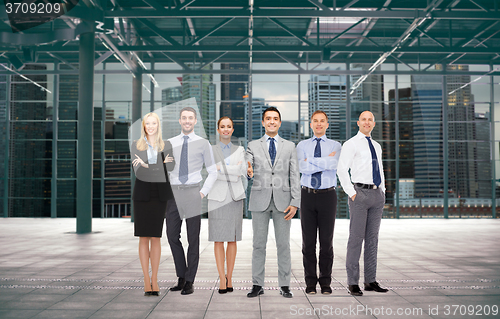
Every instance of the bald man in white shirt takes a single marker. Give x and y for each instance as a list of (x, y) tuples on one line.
[(366, 190)]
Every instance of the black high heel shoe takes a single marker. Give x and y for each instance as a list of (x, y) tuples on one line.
[(223, 291), (229, 289), (148, 293), (155, 292)]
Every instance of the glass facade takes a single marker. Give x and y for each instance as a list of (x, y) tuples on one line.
[(439, 133)]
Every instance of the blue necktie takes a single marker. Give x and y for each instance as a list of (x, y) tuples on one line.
[(272, 150), (316, 177), (375, 168), (183, 168)]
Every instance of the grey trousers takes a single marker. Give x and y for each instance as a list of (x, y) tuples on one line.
[(365, 214), (260, 224)]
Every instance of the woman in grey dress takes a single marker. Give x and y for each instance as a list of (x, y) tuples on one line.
[(225, 202)]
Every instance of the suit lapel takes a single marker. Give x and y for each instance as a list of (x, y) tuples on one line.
[(279, 149), (234, 148), (263, 142)]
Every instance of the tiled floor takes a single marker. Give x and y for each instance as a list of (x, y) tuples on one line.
[(434, 268)]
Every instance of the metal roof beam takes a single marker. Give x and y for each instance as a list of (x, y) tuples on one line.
[(424, 33), (481, 29), (55, 56), (343, 32), (154, 4), (284, 27), (319, 5), (103, 57), (479, 6), (276, 48), (347, 6), (289, 61), (304, 13), (217, 27), (162, 34)]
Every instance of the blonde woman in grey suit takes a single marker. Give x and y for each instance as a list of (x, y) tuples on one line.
[(225, 202)]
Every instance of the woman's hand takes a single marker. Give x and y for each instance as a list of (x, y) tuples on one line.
[(168, 159), (138, 161)]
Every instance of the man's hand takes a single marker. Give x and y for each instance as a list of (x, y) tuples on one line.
[(291, 212), (353, 197), (168, 159), (332, 154), (201, 194), (249, 170)]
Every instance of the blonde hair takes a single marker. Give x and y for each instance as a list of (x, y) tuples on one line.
[(141, 143)]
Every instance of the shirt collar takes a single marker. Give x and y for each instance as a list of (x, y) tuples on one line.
[(361, 135), (276, 138), (224, 146), (323, 138), (190, 135)]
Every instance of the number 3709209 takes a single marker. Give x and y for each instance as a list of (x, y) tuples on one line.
[(470, 310), (40, 8)]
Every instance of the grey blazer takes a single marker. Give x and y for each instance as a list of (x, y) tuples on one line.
[(234, 173), (281, 180)]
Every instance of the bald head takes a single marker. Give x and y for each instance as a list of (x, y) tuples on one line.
[(366, 122)]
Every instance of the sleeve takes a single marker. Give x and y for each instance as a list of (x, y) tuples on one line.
[(209, 160), (169, 152), (249, 156), (139, 170), (294, 179), (313, 165), (345, 163), (238, 169)]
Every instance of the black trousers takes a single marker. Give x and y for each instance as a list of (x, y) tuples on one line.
[(184, 267), (317, 213)]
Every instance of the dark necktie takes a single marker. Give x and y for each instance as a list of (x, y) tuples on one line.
[(375, 168), (272, 150), (183, 168), (316, 177)]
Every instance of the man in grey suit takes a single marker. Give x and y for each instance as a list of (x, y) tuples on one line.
[(272, 162)]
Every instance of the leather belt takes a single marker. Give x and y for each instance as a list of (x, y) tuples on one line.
[(317, 191), (367, 186)]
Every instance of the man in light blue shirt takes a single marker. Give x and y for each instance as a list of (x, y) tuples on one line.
[(318, 158), (191, 152)]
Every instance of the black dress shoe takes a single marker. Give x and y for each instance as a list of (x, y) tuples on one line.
[(148, 293), (256, 290), (355, 291), (180, 285), (285, 292), (311, 290), (374, 286), (188, 288), (326, 290)]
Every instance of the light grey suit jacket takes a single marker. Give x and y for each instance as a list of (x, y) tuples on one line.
[(281, 180), (234, 173)]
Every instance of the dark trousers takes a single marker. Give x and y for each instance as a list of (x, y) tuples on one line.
[(184, 268), (317, 212)]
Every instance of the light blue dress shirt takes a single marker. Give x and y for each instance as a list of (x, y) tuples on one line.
[(226, 151), (308, 164), (152, 153)]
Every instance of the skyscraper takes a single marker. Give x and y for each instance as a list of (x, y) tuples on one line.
[(232, 91), (427, 134), (201, 87)]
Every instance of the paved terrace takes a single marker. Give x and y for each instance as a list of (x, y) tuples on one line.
[(442, 267)]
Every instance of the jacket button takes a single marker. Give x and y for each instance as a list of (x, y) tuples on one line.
[(272, 173)]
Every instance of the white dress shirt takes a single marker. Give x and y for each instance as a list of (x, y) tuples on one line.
[(199, 153), (357, 157)]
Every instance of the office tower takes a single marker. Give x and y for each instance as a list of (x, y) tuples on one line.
[(3, 136), (258, 107), (201, 87), (232, 91), (328, 93), (171, 95), (482, 163), (461, 134), (427, 135), (29, 192), (289, 131)]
